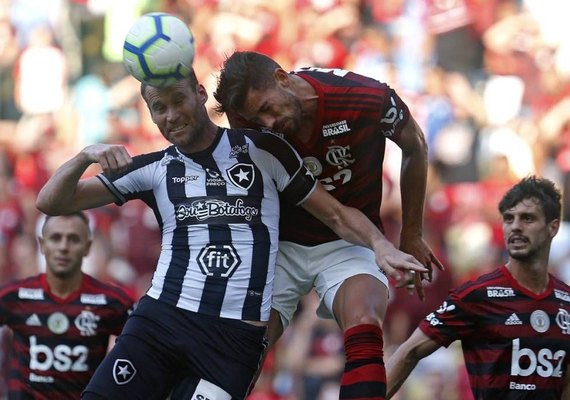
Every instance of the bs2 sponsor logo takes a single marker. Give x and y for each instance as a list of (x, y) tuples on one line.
[(545, 362), (62, 357)]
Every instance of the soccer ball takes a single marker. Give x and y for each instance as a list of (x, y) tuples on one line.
[(159, 49)]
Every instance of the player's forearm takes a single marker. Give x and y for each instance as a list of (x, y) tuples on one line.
[(405, 358), (413, 182), (354, 227), (56, 196), (397, 373)]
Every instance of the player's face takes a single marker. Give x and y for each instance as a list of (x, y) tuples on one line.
[(64, 242), (276, 108), (179, 113), (525, 230)]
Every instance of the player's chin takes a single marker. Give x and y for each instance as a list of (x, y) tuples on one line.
[(519, 253)]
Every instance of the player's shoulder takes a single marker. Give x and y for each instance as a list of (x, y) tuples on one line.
[(143, 159), (483, 285), (336, 77), (561, 290), (111, 290), (31, 283), (263, 139)]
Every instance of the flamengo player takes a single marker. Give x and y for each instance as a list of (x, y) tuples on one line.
[(62, 319), (339, 122), (514, 322)]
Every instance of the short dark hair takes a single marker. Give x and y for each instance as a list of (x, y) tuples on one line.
[(79, 214), (532, 187), (240, 72), (192, 78)]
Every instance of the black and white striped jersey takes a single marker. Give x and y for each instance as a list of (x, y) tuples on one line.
[(219, 214)]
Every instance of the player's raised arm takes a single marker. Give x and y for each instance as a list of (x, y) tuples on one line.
[(65, 192)]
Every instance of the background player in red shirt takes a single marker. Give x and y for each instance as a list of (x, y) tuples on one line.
[(514, 322), (61, 320), (338, 121)]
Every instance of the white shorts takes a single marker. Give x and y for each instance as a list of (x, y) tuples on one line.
[(325, 267)]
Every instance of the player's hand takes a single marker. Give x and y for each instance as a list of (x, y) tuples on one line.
[(400, 266), (416, 246), (112, 158)]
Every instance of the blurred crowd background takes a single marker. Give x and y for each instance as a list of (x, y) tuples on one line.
[(488, 81)]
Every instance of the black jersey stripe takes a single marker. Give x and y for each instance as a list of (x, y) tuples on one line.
[(174, 277), (214, 286)]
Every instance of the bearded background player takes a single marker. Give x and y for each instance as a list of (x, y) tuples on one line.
[(514, 322)]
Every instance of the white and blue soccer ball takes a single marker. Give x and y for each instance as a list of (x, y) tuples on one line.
[(159, 49)]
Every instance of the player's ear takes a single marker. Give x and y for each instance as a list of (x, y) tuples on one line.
[(202, 93), (553, 227), (281, 76)]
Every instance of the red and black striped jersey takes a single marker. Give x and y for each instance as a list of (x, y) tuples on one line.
[(58, 343), (346, 148), (515, 343)]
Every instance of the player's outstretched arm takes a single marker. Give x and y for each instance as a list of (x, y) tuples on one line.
[(65, 192), (353, 226), (413, 181), (405, 359)]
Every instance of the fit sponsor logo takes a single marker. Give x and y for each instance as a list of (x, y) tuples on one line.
[(336, 128), (560, 294), (206, 209), (30, 294), (184, 179), (218, 260), (542, 362), (497, 291)]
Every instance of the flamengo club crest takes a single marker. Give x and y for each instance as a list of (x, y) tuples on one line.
[(563, 321)]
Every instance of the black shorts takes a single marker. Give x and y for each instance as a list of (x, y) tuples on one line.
[(162, 345)]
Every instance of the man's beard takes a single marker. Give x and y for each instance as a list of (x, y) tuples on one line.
[(529, 255)]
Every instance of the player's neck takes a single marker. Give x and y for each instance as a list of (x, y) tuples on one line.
[(531, 275), (63, 287)]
